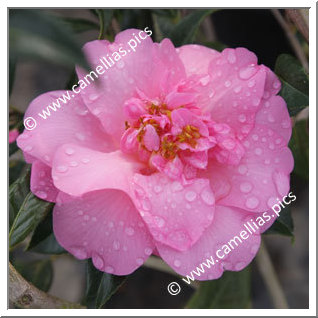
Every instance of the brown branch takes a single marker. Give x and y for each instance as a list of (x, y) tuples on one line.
[(22, 294), (300, 18)]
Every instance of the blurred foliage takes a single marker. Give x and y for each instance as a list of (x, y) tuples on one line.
[(284, 224), (231, 291), (100, 286), (299, 144), (295, 83), (36, 34), (43, 239)]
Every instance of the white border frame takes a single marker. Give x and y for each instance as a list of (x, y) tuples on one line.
[(312, 164)]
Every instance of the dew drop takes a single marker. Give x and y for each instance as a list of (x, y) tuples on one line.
[(109, 269), (98, 261), (85, 160), (205, 80), (251, 83), (207, 197), (258, 151), (73, 164), (252, 202), (227, 84), (247, 72), (276, 84), (242, 169), (93, 97), (148, 251), (130, 231), (80, 137), (231, 57), (237, 89), (41, 194), (79, 252), (61, 168), (157, 188), (242, 118), (160, 221), (177, 263), (28, 148), (245, 187), (190, 196), (69, 151), (139, 261), (116, 245)]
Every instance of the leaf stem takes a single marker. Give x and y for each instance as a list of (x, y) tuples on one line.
[(270, 278), (23, 294), (101, 24)]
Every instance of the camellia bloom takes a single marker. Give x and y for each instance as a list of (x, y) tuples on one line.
[(13, 135), (170, 153)]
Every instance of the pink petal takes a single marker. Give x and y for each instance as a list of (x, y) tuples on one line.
[(105, 226), (196, 58), (151, 139), (77, 170), (41, 182), (175, 213), (72, 123), (227, 223), (13, 135), (147, 69), (263, 173), (235, 89)]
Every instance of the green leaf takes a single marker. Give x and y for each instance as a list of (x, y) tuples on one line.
[(39, 273), (34, 34), (299, 144), (80, 25), (17, 193), (184, 32), (100, 286), (31, 213), (231, 291), (284, 224), (15, 169), (295, 83), (43, 239), (105, 17)]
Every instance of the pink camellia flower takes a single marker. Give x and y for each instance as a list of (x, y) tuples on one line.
[(170, 153), (13, 135)]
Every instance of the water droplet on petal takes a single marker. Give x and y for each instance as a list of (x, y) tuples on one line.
[(237, 89), (258, 151), (139, 261), (160, 221), (80, 137), (227, 84), (176, 186), (85, 160), (252, 202), (231, 57), (69, 151), (205, 80), (61, 168), (93, 97), (79, 252), (190, 196), (177, 263), (41, 194), (242, 169), (247, 72), (242, 118), (207, 197), (157, 188), (116, 245), (148, 251), (73, 164), (109, 269), (98, 261), (245, 187), (129, 231), (28, 148)]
